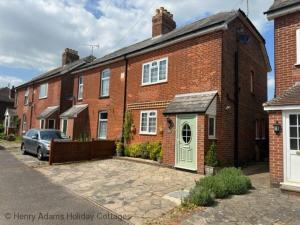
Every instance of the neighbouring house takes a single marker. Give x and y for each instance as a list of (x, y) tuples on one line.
[(186, 87), (40, 101), (284, 109), (11, 121), (7, 99)]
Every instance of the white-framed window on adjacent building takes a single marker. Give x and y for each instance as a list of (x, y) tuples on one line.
[(298, 47), (51, 123), (102, 125), (211, 127), (155, 72), (80, 88), (148, 121), (43, 91), (24, 123), (105, 77), (64, 126), (42, 123), (26, 96)]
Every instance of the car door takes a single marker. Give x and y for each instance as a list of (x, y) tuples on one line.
[(27, 140), (35, 141)]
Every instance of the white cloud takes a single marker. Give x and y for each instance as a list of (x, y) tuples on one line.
[(7, 80), (34, 33)]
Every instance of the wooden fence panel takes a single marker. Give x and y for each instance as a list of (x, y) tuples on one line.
[(71, 151)]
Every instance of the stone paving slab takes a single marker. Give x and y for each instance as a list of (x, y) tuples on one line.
[(262, 206), (124, 187)]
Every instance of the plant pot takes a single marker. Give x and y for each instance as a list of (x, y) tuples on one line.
[(119, 153), (210, 170)]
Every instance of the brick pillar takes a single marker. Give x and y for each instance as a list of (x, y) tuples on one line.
[(201, 141)]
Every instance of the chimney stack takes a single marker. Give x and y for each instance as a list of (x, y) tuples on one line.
[(69, 56), (162, 22)]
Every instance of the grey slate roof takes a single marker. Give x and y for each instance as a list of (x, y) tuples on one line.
[(46, 113), (289, 97), (282, 4), (222, 18), (60, 70), (74, 111), (5, 95), (191, 103)]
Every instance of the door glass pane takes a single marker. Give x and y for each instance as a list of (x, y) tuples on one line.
[(144, 122), (294, 144), (152, 124), (146, 73), (293, 119), (186, 133), (293, 132)]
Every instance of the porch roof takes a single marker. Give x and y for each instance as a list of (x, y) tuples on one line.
[(288, 98), (74, 111), (46, 113), (191, 103)]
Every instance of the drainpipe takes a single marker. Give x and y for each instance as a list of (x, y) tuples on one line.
[(31, 106), (125, 94)]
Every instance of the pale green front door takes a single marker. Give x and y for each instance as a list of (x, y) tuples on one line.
[(186, 142)]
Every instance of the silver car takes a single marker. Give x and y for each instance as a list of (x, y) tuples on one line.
[(37, 141)]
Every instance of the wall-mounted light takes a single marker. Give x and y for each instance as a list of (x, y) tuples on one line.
[(170, 123), (277, 127)]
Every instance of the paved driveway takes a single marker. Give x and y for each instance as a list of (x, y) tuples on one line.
[(130, 188)]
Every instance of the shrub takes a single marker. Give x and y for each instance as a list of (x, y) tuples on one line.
[(211, 156), (144, 150), (134, 150), (1, 127), (2, 135), (119, 146), (236, 183), (199, 196), (215, 185), (11, 137), (127, 151), (154, 149), (127, 135)]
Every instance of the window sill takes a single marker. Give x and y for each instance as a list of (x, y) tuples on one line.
[(212, 138), (162, 82), (41, 98), (148, 134), (103, 97)]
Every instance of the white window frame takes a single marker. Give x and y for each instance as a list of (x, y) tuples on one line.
[(62, 125), (148, 116), (214, 135), (53, 123), (46, 91), (26, 96), (80, 88), (42, 122), (298, 46), (102, 120), (102, 79), (150, 66), (24, 123)]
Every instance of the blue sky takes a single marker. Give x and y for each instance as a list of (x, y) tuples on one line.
[(34, 33)]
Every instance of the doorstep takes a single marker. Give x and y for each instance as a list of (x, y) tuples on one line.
[(291, 187)]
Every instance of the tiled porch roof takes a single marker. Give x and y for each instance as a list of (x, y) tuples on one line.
[(74, 111), (191, 103), (46, 113), (290, 97)]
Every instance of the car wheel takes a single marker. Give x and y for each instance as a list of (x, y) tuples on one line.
[(23, 150), (40, 154)]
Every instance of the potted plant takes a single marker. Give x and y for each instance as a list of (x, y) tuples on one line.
[(211, 161), (119, 148)]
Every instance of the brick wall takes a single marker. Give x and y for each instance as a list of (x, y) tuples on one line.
[(286, 73), (276, 149), (112, 104)]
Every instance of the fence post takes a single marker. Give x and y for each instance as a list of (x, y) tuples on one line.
[(51, 152)]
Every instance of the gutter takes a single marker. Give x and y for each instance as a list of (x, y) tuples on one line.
[(272, 14)]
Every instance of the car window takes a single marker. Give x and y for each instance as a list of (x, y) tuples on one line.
[(48, 135), (29, 133)]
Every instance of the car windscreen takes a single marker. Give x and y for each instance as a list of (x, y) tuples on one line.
[(48, 135)]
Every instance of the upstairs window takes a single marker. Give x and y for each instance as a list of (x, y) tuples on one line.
[(80, 87), (43, 91), (298, 47), (26, 97), (155, 72), (105, 75)]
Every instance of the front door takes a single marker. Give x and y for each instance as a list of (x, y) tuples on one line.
[(186, 139), (292, 152)]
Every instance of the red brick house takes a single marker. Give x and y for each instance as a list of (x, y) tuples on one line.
[(40, 101), (185, 87), (284, 109)]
